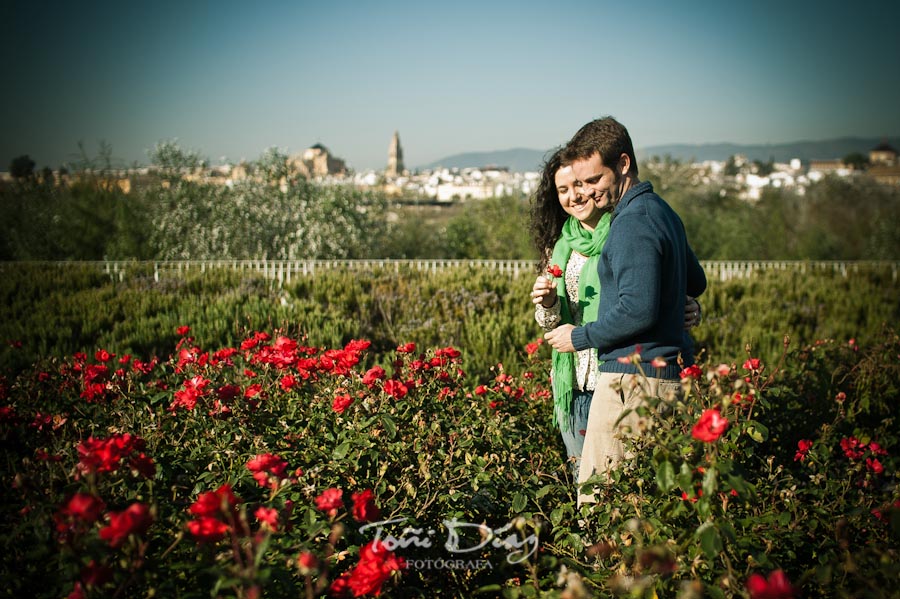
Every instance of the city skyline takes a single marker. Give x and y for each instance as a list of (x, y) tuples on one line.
[(230, 80)]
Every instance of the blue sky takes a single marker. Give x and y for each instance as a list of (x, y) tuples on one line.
[(230, 79)]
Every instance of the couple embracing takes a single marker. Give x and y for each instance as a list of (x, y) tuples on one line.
[(627, 285)]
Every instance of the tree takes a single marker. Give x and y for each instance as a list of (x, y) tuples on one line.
[(102, 164), (172, 161), (731, 167), (764, 169), (856, 161), (275, 167), (22, 167)]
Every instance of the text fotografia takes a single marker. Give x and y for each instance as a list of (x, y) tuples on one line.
[(462, 537), (448, 564)]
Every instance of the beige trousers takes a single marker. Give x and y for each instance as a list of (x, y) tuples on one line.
[(614, 394)]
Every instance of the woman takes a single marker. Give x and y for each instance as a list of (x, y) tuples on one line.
[(569, 231)]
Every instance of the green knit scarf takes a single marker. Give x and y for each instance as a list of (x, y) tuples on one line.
[(574, 237)]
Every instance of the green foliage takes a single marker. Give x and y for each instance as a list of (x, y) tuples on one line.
[(171, 161), (58, 310), (299, 220), (62, 310), (436, 448), (800, 481), (274, 167), (21, 167), (490, 229), (833, 219), (856, 160), (91, 219), (762, 310), (763, 169), (274, 213)]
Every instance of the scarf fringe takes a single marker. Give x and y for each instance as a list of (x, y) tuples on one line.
[(563, 366)]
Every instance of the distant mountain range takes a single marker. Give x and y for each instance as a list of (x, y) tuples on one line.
[(524, 159), (516, 160)]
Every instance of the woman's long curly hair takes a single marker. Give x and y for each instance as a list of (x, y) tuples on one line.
[(546, 214)]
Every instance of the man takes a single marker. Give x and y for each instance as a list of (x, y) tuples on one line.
[(646, 270)]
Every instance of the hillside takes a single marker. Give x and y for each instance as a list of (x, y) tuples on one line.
[(524, 159)]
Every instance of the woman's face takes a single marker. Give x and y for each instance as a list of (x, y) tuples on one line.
[(573, 201)]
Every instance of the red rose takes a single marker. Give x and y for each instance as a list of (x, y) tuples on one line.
[(803, 447), (447, 352), (85, 507), (555, 271), (341, 403), (693, 371), (207, 529), (330, 500), (358, 345), (267, 516), (267, 469), (211, 503), (395, 389), (135, 519), (308, 563), (752, 364), (364, 508), (777, 586), (101, 355), (376, 373), (340, 586), (106, 455), (853, 449), (710, 426), (375, 566), (874, 465), (288, 382)]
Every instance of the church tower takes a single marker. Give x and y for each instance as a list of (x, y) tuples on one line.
[(395, 166)]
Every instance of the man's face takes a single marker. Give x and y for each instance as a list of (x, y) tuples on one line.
[(600, 183)]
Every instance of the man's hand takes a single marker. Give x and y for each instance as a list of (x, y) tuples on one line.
[(560, 338), (692, 312)]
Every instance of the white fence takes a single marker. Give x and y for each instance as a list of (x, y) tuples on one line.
[(723, 270), (285, 270)]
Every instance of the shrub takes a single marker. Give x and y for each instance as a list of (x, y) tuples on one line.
[(271, 466)]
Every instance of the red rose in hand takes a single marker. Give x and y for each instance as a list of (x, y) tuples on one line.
[(555, 271)]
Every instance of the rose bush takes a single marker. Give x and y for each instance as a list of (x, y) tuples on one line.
[(233, 471)]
